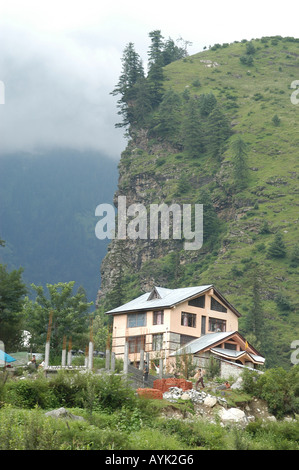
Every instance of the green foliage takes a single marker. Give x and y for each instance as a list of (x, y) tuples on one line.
[(168, 117), (278, 387), (12, 291), (218, 131), (193, 134), (70, 315), (276, 120), (277, 248), (30, 393), (239, 161)]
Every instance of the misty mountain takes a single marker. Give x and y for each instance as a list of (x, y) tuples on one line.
[(47, 215)]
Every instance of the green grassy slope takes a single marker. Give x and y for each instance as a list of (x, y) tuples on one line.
[(250, 95)]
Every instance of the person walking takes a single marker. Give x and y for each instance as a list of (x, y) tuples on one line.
[(200, 379), (145, 373)]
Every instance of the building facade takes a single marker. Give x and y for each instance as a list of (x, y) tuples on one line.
[(163, 321)]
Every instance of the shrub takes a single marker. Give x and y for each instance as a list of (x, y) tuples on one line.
[(29, 393)]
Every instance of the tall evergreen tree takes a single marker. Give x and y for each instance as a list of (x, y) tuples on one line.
[(277, 248), (156, 63), (207, 102), (168, 119), (193, 135), (155, 52), (218, 131), (211, 223), (132, 71), (255, 319), (240, 168)]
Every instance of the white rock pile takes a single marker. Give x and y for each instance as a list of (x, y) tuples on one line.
[(174, 394)]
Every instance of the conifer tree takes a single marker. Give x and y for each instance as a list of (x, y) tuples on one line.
[(277, 248), (168, 118), (295, 257), (193, 135), (218, 131), (255, 319), (240, 168), (132, 71)]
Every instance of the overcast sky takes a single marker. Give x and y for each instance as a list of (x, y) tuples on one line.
[(59, 60)]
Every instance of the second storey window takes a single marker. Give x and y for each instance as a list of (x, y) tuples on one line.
[(215, 324), (136, 319), (188, 319), (158, 318)]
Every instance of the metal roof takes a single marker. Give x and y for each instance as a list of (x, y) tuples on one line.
[(168, 298), (235, 354), (203, 342)]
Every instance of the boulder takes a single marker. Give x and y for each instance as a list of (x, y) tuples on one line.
[(63, 413), (232, 415), (210, 401)]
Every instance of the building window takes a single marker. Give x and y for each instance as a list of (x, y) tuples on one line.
[(136, 319), (136, 343), (188, 319), (217, 325), (198, 302), (157, 342), (158, 317), (217, 306)]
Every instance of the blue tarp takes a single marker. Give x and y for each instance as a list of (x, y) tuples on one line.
[(6, 357)]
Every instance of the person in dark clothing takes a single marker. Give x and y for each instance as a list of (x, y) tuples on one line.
[(200, 379), (145, 372)]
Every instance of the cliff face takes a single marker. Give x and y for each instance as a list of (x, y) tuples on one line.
[(241, 221)]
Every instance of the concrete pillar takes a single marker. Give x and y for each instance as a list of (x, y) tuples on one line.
[(160, 368), (141, 364), (63, 357), (113, 361), (107, 363), (47, 354), (126, 357), (90, 355), (69, 357)]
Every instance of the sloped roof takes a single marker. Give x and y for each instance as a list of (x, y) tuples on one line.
[(168, 298), (231, 354), (207, 341), (203, 342)]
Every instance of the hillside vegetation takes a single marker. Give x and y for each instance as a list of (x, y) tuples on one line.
[(224, 133)]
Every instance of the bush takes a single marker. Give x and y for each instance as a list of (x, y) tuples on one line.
[(29, 393), (278, 387)]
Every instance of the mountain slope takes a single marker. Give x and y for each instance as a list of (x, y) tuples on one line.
[(47, 215), (252, 86)]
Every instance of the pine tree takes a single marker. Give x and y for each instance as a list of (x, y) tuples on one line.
[(156, 62), (168, 118), (218, 131), (207, 102), (255, 319), (295, 257), (211, 224), (240, 168), (193, 135), (132, 71), (277, 248)]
